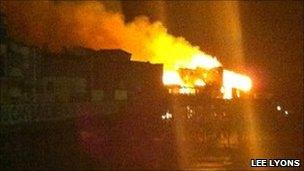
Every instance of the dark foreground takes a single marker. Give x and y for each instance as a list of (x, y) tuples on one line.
[(92, 143)]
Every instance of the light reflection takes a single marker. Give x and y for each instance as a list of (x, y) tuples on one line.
[(279, 108), (167, 115)]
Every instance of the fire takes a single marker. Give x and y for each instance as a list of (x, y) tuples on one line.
[(171, 78), (199, 83), (230, 80), (204, 61), (235, 80), (90, 24), (176, 53)]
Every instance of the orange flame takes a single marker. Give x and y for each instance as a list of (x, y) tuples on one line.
[(231, 80), (89, 24), (235, 80)]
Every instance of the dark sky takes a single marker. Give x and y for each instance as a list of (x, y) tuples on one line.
[(271, 37)]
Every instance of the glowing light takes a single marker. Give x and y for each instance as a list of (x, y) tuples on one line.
[(186, 90), (204, 61), (171, 78), (199, 83), (196, 59), (186, 56), (279, 108), (286, 112), (167, 115), (235, 80)]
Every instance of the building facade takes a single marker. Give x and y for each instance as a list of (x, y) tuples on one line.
[(104, 78)]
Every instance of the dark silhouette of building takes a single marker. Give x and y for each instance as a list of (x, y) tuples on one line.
[(3, 31)]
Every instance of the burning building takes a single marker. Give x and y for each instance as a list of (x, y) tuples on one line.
[(104, 76), (126, 100), (122, 93), (199, 81), (145, 40), (81, 75), (215, 82)]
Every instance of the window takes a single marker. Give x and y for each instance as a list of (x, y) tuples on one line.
[(120, 95), (97, 95)]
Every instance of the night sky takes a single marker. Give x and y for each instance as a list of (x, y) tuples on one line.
[(269, 47)]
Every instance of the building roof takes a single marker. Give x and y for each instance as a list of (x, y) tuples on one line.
[(112, 54)]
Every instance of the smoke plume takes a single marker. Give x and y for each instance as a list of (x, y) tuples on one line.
[(89, 24)]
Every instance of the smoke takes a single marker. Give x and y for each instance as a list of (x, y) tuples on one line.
[(89, 24)]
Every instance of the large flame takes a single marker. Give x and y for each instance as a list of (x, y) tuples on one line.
[(235, 80), (231, 80), (172, 78), (89, 24)]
